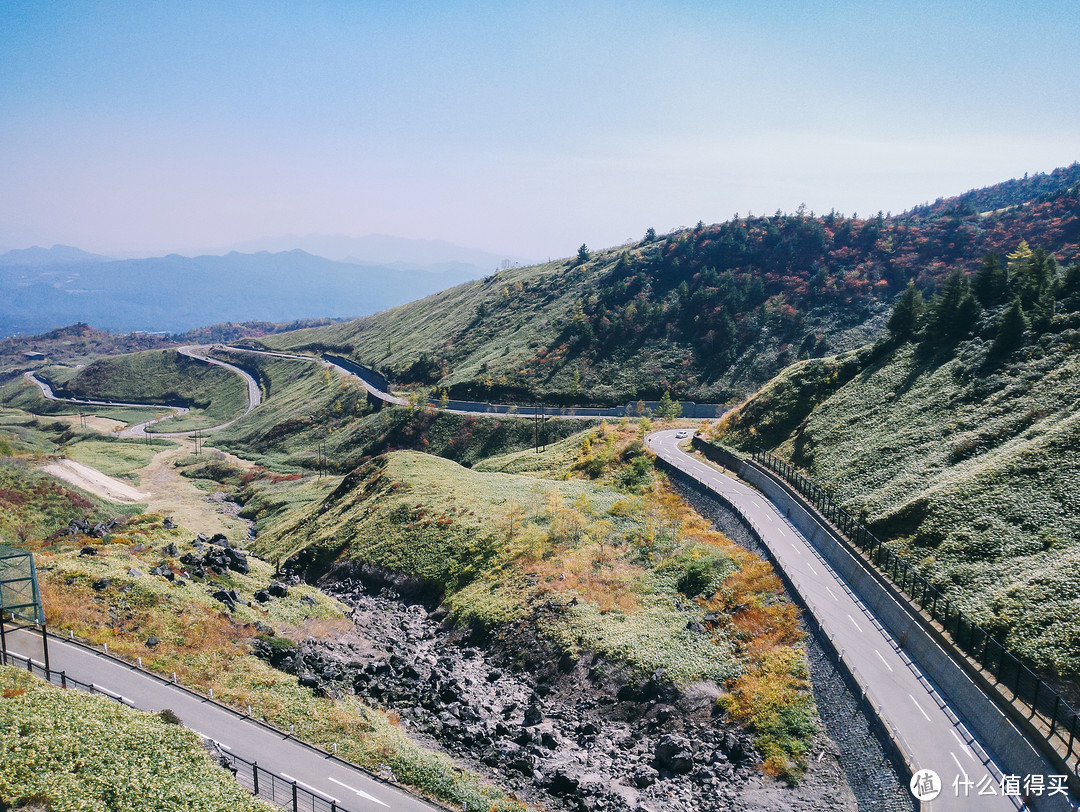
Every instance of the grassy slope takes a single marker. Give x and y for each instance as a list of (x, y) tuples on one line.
[(307, 404), (162, 376), (72, 751), (521, 343), (22, 394), (586, 531), (116, 458), (710, 313), (972, 468)]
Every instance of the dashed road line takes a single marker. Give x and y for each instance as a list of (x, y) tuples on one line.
[(359, 792), (831, 593), (300, 783), (962, 743), (878, 653), (917, 705), (857, 626)]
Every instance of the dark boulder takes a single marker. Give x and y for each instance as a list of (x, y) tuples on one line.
[(228, 597), (674, 752), (278, 589), (262, 596), (644, 776)]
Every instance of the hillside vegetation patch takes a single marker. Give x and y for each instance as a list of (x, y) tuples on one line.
[(68, 751)]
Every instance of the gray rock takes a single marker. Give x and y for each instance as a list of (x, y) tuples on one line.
[(674, 752), (278, 589)]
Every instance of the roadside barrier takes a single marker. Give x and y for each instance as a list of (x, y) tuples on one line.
[(263, 784), (1056, 723), (1037, 711)]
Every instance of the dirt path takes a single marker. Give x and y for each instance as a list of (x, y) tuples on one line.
[(97, 483), (189, 506)]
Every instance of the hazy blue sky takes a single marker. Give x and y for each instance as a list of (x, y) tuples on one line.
[(525, 128)]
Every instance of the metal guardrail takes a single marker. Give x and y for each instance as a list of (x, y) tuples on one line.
[(263, 784), (1060, 723)]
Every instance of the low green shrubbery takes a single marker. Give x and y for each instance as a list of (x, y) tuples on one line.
[(68, 752)]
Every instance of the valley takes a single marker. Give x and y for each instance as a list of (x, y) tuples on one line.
[(508, 614)]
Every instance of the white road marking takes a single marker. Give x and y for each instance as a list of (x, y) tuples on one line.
[(769, 517), (811, 566), (962, 743), (878, 653), (300, 783), (796, 549), (359, 792), (954, 758), (782, 533), (831, 593), (917, 705), (857, 626)]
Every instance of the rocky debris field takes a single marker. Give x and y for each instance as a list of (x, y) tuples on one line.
[(562, 732)]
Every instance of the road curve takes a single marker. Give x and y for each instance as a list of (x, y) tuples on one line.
[(348, 785), (48, 394), (139, 430), (927, 729)]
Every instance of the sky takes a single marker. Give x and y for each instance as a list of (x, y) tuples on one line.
[(520, 128)]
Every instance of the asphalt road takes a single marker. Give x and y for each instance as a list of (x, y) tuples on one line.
[(48, 393), (926, 727), (196, 351), (354, 789)]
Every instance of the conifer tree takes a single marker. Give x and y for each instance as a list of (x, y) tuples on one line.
[(1011, 329), (992, 282), (908, 313), (953, 312)]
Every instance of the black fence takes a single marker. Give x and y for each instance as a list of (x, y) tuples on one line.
[(274, 788), (1060, 724), (262, 783)]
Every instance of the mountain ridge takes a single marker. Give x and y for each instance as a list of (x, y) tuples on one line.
[(708, 313)]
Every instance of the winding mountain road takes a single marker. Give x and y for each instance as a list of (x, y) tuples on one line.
[(927, 729), (139, 430)]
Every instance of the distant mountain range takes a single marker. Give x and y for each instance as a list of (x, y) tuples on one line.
[(41, 289), (380, 249)]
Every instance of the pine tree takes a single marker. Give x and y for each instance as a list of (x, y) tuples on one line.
[(908, 313), (583, 254), (992, 282), (1010, 330), (953, 312)]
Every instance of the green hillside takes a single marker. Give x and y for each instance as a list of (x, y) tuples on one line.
[(307, 405), (67, 751), (591, 548), (964, 451), (214, 395), (709, 313)]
